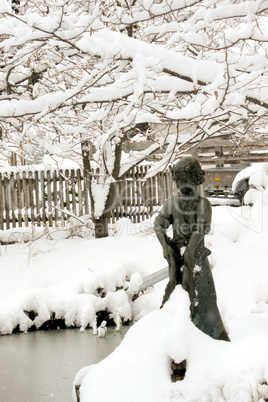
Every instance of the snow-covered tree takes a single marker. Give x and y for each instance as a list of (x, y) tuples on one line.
[(73, 73)]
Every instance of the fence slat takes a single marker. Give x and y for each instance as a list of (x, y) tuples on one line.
[(49, 198), (86, 184), (26, 192), (142, 189), (55, 198), (73, 192), (134, 196), (37, 199), (31, 196), (148, 194), (1, 202), (128, 211), (19, 198), (79, 191), (154, 199), (13, 188), (43, 197), (67, 189), (61, 195), (7, 201), (138, 193)]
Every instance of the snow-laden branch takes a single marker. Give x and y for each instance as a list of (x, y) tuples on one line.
[(40, 106), (137, 158), (167, 158), (108, 44), (115, 71), (203, 17), (202, 13)]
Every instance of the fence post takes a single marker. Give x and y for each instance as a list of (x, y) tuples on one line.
[(138, 192), (142, 188), (79, 189), (67, 189), (7, 200), (43, 197), (31, 196), (55, 197), (61, 195), (73, 192), (86, 184), (49, 198), (134, 195), (37, 198), (19, 198), (13, 186)]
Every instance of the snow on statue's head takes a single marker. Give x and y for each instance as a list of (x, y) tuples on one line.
[(192, 168)]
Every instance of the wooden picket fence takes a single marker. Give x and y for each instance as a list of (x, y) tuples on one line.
[(51, 197)]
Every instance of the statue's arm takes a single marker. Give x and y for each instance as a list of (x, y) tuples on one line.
[(161, 224)]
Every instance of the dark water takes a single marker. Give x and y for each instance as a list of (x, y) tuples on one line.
[(40, 366)]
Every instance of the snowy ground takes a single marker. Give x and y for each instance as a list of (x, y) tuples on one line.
[(139, 369), (73, 278)]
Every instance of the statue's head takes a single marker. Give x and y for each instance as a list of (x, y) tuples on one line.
[(190, 169)]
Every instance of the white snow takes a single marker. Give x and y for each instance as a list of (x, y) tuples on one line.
[(139, 369), (5, 7), (72, 277), (76, 277), (257, 174)]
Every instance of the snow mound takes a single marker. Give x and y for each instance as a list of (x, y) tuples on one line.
[(75, 280), (140, 368)]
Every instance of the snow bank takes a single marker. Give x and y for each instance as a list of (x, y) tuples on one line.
[(257, 175), (53, 276), (139, 369), (56, 277)]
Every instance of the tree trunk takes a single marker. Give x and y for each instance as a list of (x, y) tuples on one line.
[(101, 224)]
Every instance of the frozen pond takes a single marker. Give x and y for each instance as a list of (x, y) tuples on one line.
[(41, 365)]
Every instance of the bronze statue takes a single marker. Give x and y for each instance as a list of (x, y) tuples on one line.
[(190, 217)]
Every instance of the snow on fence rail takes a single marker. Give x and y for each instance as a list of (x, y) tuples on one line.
[(50, 197)]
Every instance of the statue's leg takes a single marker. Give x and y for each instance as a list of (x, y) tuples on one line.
[(188, 286), (174, 277)]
